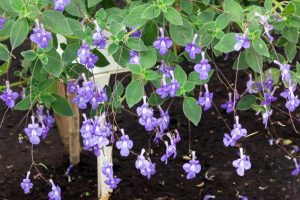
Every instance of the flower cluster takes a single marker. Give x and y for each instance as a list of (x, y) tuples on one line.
[(236, 133), (268, 27), (40, 36), (2, 22), (26, 184), (124, 144), (99, 38), (170, 148), (167, 89), (146, 167), (134, 57), (34, 131), (46, 120), (9, 97), (61, 4), (162, 44), (203, 68), (242, 164), (193, 167), (88, 93), (205, 99), (86, 57), (111, 181), (55, 193), (95, 133)]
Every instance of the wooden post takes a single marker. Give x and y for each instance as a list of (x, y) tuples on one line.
[(103, 189)]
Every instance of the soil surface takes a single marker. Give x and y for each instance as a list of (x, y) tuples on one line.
[(269, 178)]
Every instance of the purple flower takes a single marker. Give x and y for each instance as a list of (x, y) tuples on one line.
[(33, 132), (73, 87), (163, 90), (149, 123), (164, 120), (40, 36), (269, 97), (236, 133), (242, 164), (209, 196), (241, 41), (99, 96), (112, 182), (285, 71), (170, 149), (192, 48), (203, 68), (286, 93), (140, 160), (144, 111), (86, 129), (268, 83), (193, 167), (166, 70), (229, 105), (266, 115), (136, 34), (61, 4), (86, 57), (174, 85), (26, 184), (107, 169), (2, 22), (251, 86), (268, 27), (134, 57), (99, 38), (9, 97), (146, 167), (296, 171), (292, 101), (162, 43), (243, 197), (205, 100), (124, 144), (55, 193)]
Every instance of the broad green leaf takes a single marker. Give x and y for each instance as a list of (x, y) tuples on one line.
[(149, 33), (4, 68), (182, 35), (115, 27), (17, 5), (56, 22), (47, 99), (268, 5), (5, 31), (192, 110), (222, 21), (155, 99), (102, 60), (246, 102), (92, 3), (4, 53), (134, 18), (19, 32), (173, 16), (168, 2), (240, 62), (61, 106), (136, 44), (100, 14), (291, 34), (234, 10), (77, 8), (151, 12), (70, 53), (260, 47), (254, 60), (54, 64), (134, 93), (24, 104), (76, 27), (289, 9), (227, 43), (122, 56), (74, 69), (29, 55), (180, 75), (290, 50), (151, 75), (135, 69), (148, 58), (187, 6)]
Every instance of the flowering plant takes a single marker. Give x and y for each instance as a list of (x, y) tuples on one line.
[(154, 40)]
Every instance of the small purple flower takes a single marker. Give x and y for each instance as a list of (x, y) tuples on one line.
[(229, 105), (163, 90), (107, 169), (149, 123), (73, 87), (61, 4), (192, 48), (209, 196), (205, 100), (164, 120), (285, 71), (236, 133), (266, 115), (146, 167), (112, 182), (296, 171), (242, 164), (292, 101), (33, 132), (193, 167), (9, 97), (268, 27), (40, 36), (144, 111), (286, 93), (55, 194), (99, 38), (86, 57), (243, 197), (170, 149), (251, 86), (124, 144), (134, 57), (162, 43), (166, 70), (26, 184), (174, 85), (203, 68), (269, 97), (136, 34), (2, 22), (268, 83), (241, 41), (140, 160), (86, 129)]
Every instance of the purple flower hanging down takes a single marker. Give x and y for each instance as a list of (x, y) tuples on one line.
[(269, 97), (266, 115), (26, 184), (209, 196), (124, 144), (174, 85), (268, 27), (236, 133), (242, 164), (61, 4), (203, 68), (40, 36), (136, 34), (229, 105), (9, 97), (170, 149), (107, 169), (166, 70), (192, 48), (55, 193), (73, 87), (241, 41), (144, 111), (162, 44), (193, 167), (2, 22), (205, 100), (292, 101), (134, 57), (146, 167), (33, 132), (112, 182), (86, 57), (285, 71), (251, 86), (99, 38), (296, 171)]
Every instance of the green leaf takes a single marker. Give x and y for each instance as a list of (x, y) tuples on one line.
[(240, 62), (115, 27), (173, 16), (76, 27), (291, 34), (168, 2), (246, 102), (254, 60), (29, 55), (260, 47), (112, 49), (77, 8), (102, 60), (187, 6), (54, 64), (70, 53), (268, 5), (289, 9), (222, 21), (4, 53), (134, 18), (74, 69), (24, 104), (136, 44), (19, 32), (290, 50), (92, 3), (151, 12), (122, 56), (61, 106), (100, 14), (155, 100), (4, 68), (192, 110), (180, 75), (182, 35), (151, 75), (234, 10), (148, 58), (45, 85), (189, 86), (135, 69), (149, 33), (47, 99), (227, 43), (56, 22), (134, 92), (17, 5)]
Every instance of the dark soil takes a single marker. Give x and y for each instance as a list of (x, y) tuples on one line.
[(269, 177)]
